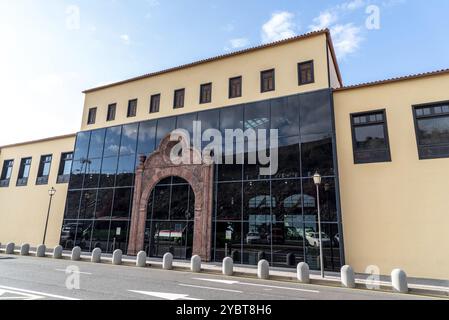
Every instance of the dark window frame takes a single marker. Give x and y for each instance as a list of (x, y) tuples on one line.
[(153, 100), (112, 111), (231, 93), (262, 87), (4, 180), (41, 179), (416, 119), (21, 180), (204, 98), (384, 122), (132, 112), (92, 116), (64, 178), (175, 98), (301, 81)]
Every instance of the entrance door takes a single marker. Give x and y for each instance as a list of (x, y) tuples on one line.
[(173, 237)]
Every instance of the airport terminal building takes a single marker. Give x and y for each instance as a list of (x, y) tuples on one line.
[(381, 148)]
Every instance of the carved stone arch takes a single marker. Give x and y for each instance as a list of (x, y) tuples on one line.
[(198, 174)]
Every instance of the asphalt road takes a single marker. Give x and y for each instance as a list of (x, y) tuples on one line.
[(30, 278)]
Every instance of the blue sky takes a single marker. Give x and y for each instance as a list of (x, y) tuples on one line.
[(51, 50)]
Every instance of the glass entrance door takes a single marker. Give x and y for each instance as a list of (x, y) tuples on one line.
[(173, 237)]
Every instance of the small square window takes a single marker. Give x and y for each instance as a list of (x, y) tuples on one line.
[(155, 103), (132, 108), (235, 87), (179, 99), (91, 117), (306, 73), (206, 93), (267, 80), (111, 112)]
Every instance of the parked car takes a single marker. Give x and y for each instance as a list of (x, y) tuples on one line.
[(313, 238), (252, 237)]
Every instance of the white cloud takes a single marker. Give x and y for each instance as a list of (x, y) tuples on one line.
[(324, 20), (228, 28), (73, 17), (346, 39), (391, 3), (125, 39), (353, 5), (280, 26), (239, 43)]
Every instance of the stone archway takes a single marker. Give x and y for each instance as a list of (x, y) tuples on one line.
[(198, 174)]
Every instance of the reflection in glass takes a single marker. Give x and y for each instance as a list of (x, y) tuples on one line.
[(68, 234), (228, 241), (229, 205), (122, 204), (72, 204), (104, 203), (100, 235), (161, 202), (82, 145), (182, 202), (285, 116), (125, 172), (315, 110), (92, 175), (96, 144), (231, 118), (88, 202), (257, 240), (257, 115), (83, 234), (327, 200), (129, 139), (108, 171), (317, 155), (289, 162), (118, 235), (164, 127), (147, 138), (77, 176), (257, 200), (112, 141)]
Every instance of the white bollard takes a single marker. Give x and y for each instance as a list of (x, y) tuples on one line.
[(303, 272), (167, 261), (96, 255), (399, 281), (57, 252), (10, 248), (263, 269), (195, 264), (25, 249), (40, 251), (347, 277), (228, 266), (76, 254), (141, 260), (117, 257)]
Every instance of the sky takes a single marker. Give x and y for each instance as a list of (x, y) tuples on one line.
[(52, 50)]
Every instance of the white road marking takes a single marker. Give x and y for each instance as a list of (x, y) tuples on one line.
[(77, 272), (166, 296), (256, 285), (210, 288), (49, 295)]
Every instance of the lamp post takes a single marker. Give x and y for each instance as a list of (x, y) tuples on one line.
[(51, 193), (317, 181)]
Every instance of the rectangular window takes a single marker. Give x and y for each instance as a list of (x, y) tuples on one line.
[(65, 166), (132, 108), (112, 108), (306, 73), (6, 173), (267, 80), (235, 87), (155, 103), (44, 170), (24, 172), (179, 99), (432, 130), (206, 93), (370, 137), (91, 117)]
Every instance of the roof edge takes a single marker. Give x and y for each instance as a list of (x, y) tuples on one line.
[(220, 57), (330, 43), (393, 80), (38, 141)]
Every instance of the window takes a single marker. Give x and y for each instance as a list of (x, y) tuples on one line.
[(111, 112), (370, 137), (179, 99), (305, 73), (432, 130), (44, 170), (267, 80), (206, 93), (155, 103), (64, 167), (132, 108), (24, 172), (6, 173), (235, 87), (92, 116)]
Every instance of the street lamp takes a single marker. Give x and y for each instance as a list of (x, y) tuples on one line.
[(51, 193), (317, 180)]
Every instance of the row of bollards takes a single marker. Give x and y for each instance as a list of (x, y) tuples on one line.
[(398, 277)]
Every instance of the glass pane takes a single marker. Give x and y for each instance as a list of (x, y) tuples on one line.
[(286, 198), (118, 236), (122, 204), (289, 162), (108, 171), (129, 139), (82, 145), (257, 240), (100, 235), (161, 202), (83, 234), (315, 110), (257, 115), (331, 254), (328, 204), (370, 137), (96, 143), (180, 197), (68, 234), (126, 169), (317, 155), (92, 176), (77, 176), (285, 116), (72, 204), (104, 204), (229, 202), (228, 241), (186, 122), (209, 119), (433, 131), (164, 127), (88, 201), (231, 118), (112, 142), (257, 201), (288, 241), (147, 138), (234, 169)]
